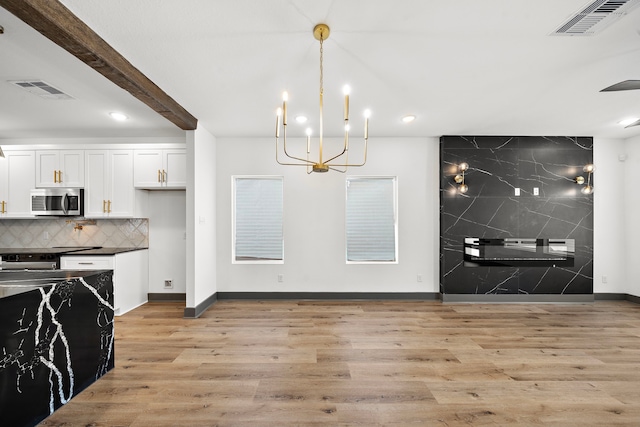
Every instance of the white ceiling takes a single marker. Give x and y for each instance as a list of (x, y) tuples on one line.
[(461, 66)]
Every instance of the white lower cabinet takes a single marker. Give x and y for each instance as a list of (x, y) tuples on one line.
[(130, 275)]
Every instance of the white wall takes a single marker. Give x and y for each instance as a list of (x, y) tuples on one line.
[(314, 220), (610, 216), (630, 203), (167, 242), (201, 216)]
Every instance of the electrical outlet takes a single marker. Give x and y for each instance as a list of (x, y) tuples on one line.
[(604, 279), (168, 284), (280, 278), (536, 191), (517, 191), (419, 278)]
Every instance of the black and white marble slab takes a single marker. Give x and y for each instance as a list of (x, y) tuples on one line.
[(498, 165), (55, 340)]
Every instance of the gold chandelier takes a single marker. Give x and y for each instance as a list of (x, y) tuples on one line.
[(339, 162)]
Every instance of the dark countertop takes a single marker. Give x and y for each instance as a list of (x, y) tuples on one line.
[(14, 282), (70, 250)]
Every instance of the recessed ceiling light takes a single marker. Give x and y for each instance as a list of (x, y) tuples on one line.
[(301, 119), (118, 116), (627, 122), (408, 119)]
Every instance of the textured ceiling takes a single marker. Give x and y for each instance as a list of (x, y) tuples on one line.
[(461, 66)]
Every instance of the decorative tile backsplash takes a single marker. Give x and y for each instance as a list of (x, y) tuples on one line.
[(47, 233)]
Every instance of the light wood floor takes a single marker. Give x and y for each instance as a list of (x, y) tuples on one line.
[(369, 363)]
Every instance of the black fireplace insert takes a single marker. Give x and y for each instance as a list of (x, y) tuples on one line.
[(518, 252)]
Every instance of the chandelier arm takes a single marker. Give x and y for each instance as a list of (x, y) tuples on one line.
[(337, 170), (291, 164), (344, 150), (354, 164), (284, 145)]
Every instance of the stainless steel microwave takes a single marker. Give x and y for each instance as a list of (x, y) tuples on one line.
[(57, 201)]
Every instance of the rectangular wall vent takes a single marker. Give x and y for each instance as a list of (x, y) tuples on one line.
[(595, 17), (40, 88)]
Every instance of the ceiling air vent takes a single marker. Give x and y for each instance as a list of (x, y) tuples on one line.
[(42, 89), (595, 17)]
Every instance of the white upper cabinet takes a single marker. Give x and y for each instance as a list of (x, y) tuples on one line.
[(17, 179), (157, 169), (109, 188), (60, 168)]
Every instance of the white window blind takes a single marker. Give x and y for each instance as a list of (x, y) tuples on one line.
[(371, 220), (258, 218)]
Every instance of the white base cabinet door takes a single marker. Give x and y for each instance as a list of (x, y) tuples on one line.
[(130, 275)]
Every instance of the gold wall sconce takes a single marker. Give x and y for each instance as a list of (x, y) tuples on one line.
[(459, 178), (588, 188)]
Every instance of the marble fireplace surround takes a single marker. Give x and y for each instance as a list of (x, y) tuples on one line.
[(52, 232), (491, 209)]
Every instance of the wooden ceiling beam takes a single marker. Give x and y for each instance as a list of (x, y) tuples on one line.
[(52, 19)]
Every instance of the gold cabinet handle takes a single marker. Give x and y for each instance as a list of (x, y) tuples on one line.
[(60, 176), (164, 176), (104, 206), (55, 176), (3, 203), (108, 206), (159, 176)]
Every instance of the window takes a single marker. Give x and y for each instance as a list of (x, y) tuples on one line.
[(371, 220), (257, 220)]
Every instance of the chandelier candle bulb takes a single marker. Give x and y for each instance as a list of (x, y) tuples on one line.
[(367, 114), (308, 140), (278, 114), (347, 128), (285, 98), (346, 91)]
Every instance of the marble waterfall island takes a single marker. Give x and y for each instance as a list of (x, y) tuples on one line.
[(56, 338)]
